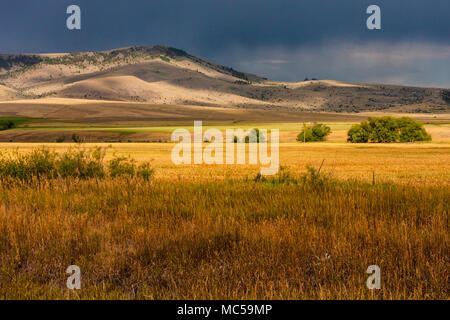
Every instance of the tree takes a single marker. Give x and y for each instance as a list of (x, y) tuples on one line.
[(316, 132), (359, 133), (253, 136), (388, 129), (383, 129), (411, 130)]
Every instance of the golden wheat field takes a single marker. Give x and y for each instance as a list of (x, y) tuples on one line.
[(412, 164), (211, 232)]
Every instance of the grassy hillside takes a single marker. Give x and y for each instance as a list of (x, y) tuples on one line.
[(164, 75)]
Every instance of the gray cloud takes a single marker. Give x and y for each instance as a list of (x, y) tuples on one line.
[(290, 30), (414, 63)]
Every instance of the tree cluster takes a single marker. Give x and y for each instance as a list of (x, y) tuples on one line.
[(388, 129)]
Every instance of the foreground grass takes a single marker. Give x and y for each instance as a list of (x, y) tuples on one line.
[(227, 239)]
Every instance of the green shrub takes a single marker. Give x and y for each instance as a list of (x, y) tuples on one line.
[(41, 163), (388, 129), (38, 164), (121, 166), (81, 164), (316, 132), (316, 180), (144, 171), (165, 59)]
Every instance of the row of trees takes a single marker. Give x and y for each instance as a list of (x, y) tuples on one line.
[(376, 129)]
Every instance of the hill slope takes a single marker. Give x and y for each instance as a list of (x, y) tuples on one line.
[(8, 94), (164, 75)]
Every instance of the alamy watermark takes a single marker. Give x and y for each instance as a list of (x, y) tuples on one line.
[(186, 152), (74, 281), (73, 22), (374, 280), (374, 20)]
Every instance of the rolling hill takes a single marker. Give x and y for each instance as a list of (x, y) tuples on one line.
[(163, 75), (8, 94)]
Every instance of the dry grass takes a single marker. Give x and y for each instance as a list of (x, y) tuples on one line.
[(410, 164), (208, 232)]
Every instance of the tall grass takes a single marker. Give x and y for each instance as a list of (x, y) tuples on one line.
[(287, 237)]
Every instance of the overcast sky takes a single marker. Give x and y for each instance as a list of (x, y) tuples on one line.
[(279, 39)]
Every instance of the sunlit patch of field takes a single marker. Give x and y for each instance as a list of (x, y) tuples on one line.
[(420, 163)]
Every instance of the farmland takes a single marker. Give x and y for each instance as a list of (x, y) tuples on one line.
[(210, 232)]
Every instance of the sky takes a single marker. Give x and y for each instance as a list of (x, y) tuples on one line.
[(285, 40)]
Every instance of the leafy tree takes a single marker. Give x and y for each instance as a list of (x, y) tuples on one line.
[(388, 129), (359, 133), (316, 132), (411, 130), (254, 136), (383, 129)]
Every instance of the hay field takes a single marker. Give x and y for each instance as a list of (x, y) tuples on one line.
[(416, 163), (210, 232)]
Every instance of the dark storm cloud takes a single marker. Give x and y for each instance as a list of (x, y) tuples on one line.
[(222, 30), (408, 63)]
